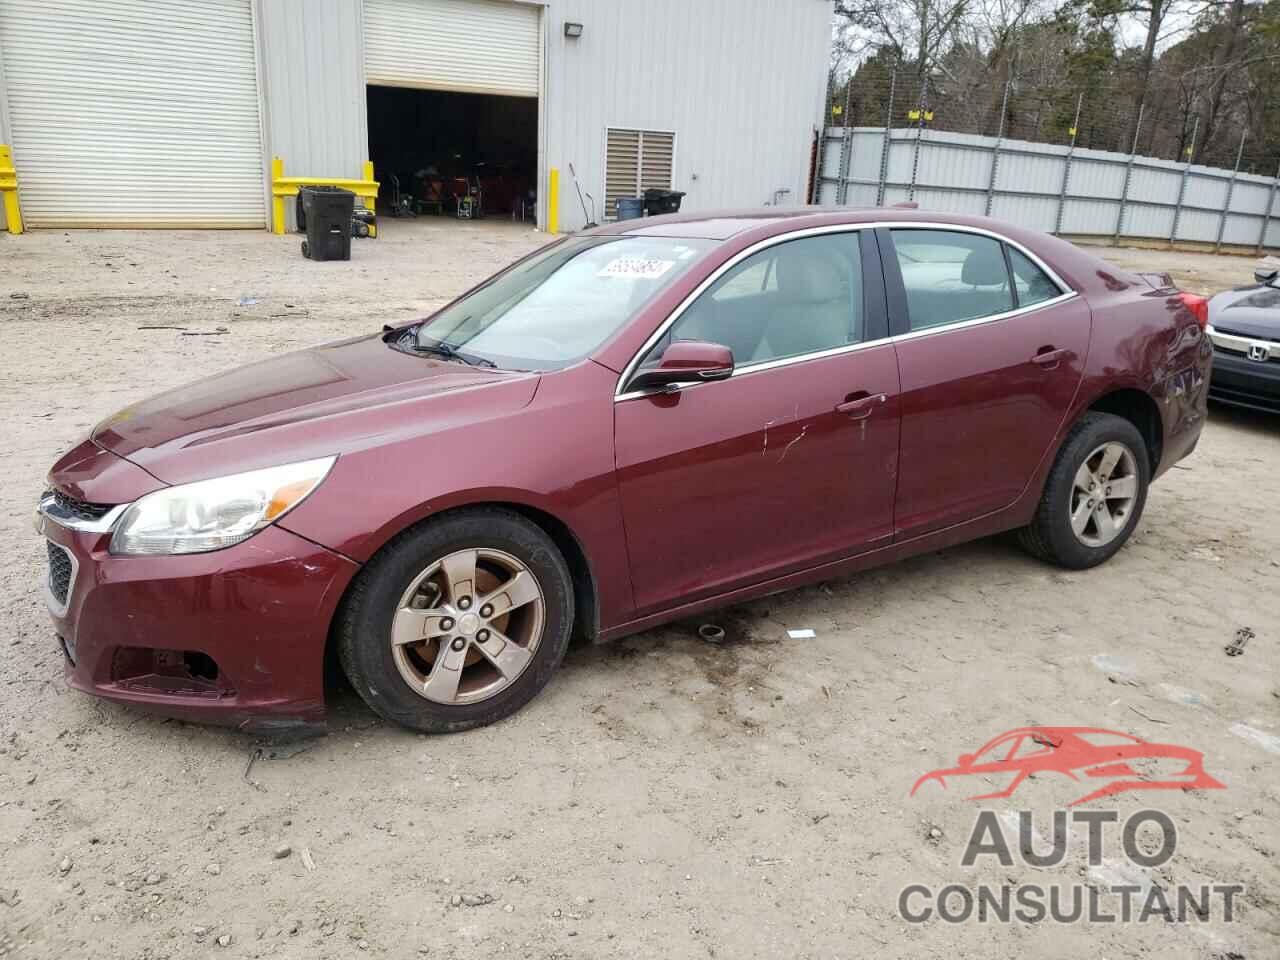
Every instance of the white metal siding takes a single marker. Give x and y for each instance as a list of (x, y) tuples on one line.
[(470, 46), (313, 85), (134, 112), (740, 82)]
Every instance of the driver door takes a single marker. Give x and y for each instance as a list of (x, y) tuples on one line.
[(789, 463)]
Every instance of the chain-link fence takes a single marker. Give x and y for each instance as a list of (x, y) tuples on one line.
[(1083, 159)]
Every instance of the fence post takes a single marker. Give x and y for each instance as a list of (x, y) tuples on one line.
[(1231, 188), (995, 150), (846, 147), (822, 143), (1266, 217), (888, 138), (1128, 175), (915, 154), (1066, 167), (1182, 187)]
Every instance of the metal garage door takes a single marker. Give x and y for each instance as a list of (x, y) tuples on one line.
[(134, 112), (471, 46)]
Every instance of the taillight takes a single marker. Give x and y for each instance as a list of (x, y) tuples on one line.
[(1198, 305)]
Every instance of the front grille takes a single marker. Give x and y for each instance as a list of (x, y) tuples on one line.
[(79, 508), (60, 571), (1247, 336)]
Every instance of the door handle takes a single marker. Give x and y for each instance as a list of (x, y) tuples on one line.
[(859, 406), (1049, 357)]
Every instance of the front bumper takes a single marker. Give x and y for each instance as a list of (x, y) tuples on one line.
[(233, 637), (1246, 383)]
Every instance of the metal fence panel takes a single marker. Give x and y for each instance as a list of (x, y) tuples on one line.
[(1097, 175), (865, 161), (1107, 193)]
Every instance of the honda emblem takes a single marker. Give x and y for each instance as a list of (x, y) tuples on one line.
[(1259, 351)]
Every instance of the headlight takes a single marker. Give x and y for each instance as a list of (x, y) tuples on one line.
[(212, 514)]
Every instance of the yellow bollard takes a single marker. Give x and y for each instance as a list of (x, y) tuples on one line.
[(553, 202), (9, 189), (370, 197), (277, 202)]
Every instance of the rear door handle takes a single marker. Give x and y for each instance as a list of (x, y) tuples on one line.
[(860, 407), (1049, 357)]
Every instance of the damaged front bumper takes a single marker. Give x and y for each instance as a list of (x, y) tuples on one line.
[(233, 637)]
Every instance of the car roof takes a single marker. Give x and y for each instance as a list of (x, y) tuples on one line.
[(1058, 731), (768, 221), (724, 224), (1079, 270)]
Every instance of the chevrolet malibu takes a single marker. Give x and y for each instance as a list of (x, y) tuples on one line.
[(627, 427)]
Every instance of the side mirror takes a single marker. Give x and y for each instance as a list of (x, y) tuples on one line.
[(686, 361), (1265, 274)]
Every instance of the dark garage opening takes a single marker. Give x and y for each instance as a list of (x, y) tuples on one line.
[(453, 154)]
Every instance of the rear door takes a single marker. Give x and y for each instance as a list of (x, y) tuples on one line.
[(991, 349), (790, 462)]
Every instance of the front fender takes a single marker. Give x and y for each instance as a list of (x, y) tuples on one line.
[(554, 456)]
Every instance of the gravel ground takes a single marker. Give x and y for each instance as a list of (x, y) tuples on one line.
[(663, 797)]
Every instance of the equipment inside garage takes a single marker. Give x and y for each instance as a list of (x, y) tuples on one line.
[(452, 100), (458, 154)]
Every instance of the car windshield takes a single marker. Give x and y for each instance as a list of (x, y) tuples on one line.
[(557, 306)]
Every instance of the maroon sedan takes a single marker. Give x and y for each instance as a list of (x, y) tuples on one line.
[(627, 427)]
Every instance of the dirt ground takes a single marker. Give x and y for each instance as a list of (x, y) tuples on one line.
[(663, 797)]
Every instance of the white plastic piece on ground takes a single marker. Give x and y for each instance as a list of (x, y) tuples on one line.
[(1117, 665), (801, 634), (1178, 694), (1267, 741)]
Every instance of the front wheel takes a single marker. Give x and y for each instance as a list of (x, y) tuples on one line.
[(1094, 494), (459, 622)]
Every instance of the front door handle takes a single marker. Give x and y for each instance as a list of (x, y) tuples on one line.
[(1049, 357), (859, 405)]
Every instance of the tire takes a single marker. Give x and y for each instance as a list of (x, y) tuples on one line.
[(504, 544), (1051, 535)]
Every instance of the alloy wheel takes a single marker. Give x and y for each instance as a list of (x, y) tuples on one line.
[(1103, 494), (467, 626)]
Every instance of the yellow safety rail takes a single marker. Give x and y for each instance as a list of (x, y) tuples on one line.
[(9, 189), (282, 186)]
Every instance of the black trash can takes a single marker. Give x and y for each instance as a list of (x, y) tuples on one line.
[(658, 202), (327, 211)]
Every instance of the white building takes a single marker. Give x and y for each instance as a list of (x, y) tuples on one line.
[(168, 112)]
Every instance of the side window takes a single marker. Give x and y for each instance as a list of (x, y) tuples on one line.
[(793, 298), (1029, 747), (756, 279), (998, 752), (951, 276), (1033, 285)]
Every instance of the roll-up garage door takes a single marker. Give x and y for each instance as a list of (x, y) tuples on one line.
[(134, 112), (469, 46)]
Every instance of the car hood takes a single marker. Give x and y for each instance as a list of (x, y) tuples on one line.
[(1251, 311), (330, 399)]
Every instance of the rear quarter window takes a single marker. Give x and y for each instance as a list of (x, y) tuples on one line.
[(951, 277), (1032, 283)]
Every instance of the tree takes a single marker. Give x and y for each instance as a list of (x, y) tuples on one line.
[(917, 32)]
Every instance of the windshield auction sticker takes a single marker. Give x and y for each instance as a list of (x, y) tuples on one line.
[(636, 268), (1123, 860)]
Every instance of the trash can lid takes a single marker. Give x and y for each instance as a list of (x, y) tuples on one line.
[(326, 188)]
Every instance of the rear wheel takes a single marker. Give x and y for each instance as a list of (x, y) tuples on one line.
[(459, 622), (1094, 494)]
